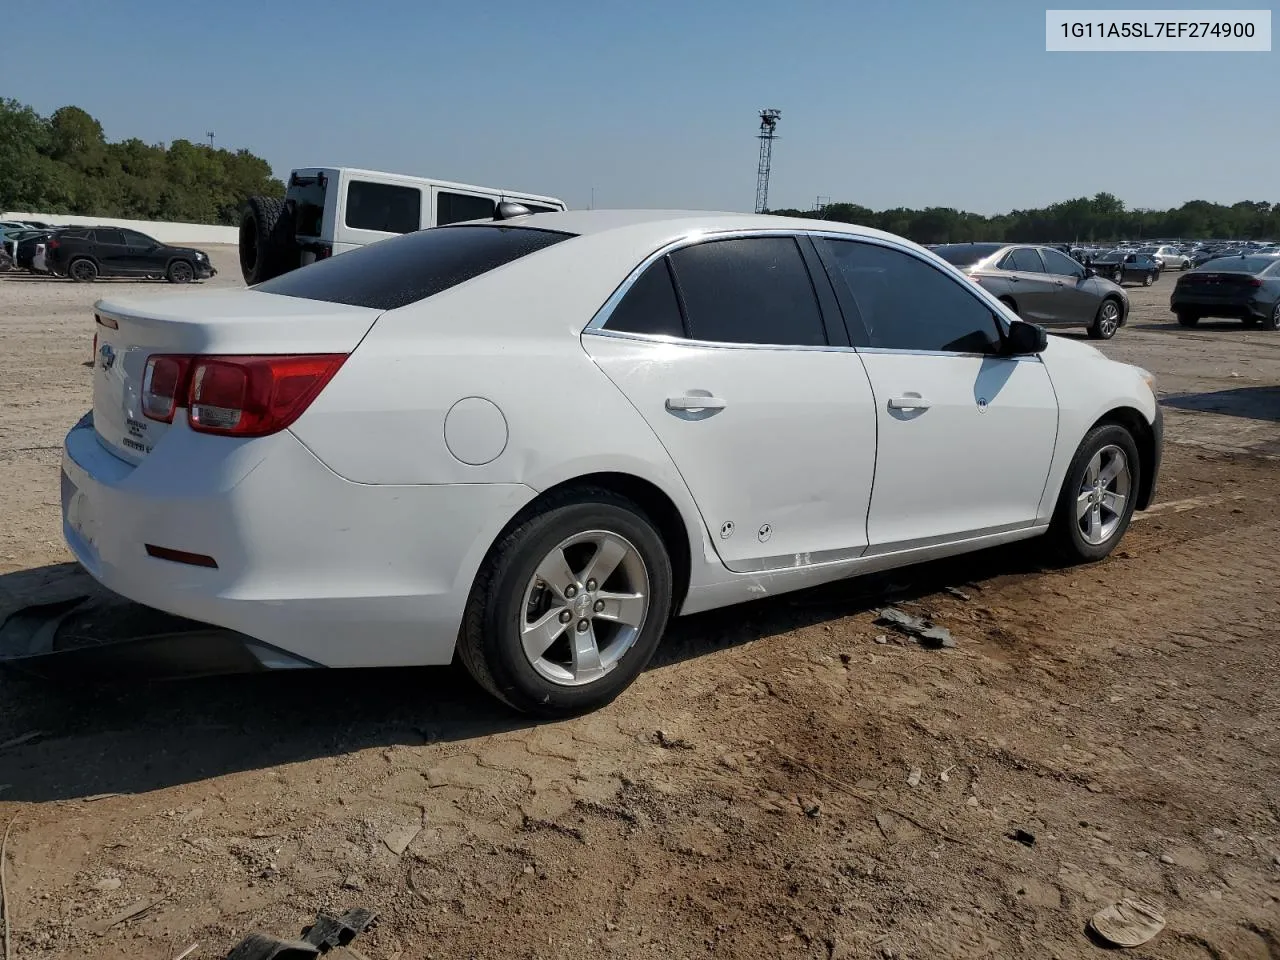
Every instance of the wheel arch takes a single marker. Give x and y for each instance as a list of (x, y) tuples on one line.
[(1144, 436), (657, 505)]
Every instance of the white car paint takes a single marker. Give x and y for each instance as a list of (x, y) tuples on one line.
[(353, 537)]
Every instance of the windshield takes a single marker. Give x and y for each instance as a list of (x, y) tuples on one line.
[(411, 267), (966, 254)]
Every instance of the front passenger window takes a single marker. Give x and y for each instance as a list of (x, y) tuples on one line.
[(908, 304)]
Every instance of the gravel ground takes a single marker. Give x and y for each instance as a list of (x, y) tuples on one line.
[(780, 784)]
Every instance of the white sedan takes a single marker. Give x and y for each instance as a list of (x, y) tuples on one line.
[(531, 441)]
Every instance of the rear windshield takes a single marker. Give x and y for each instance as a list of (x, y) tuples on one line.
[(412, 267), (307, 194), (1238, 265), (966, 254)]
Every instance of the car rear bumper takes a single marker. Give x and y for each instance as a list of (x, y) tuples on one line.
[(333, 572), (1219, 306)]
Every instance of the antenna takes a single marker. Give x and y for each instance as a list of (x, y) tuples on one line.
[(768, 124), (209, 134)]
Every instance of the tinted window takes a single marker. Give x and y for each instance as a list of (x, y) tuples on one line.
[(384, 207), (1024, 259), (650, 306), (136, 239), (966, 254), (1240, 264), (537, 207), (412, 267), (457, 207), (907, 304), (109, 236), (1058, 263), (308, 197), (750, 290)]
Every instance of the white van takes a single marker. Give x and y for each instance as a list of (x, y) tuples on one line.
[(330, 210)]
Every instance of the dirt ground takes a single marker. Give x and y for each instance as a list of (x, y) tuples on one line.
[(780, 784)]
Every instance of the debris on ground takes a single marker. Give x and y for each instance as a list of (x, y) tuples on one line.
[(926, 631), (1128, 923), (1024, 837), (397, 839), (135, 912), (957, 592), (668, 742), (913, 778), (326, 934), (24, 738)]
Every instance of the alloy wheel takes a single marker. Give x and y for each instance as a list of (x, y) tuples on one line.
[(584, 608), (1104, 491), (1109, 319)]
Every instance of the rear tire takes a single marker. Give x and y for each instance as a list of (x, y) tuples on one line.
[(499, 641), (1187, 319), (1096, 504), (267, 244), (180, 272), (1107, 320), (82, 270)]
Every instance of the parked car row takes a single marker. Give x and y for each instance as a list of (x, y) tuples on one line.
[(86, 253)]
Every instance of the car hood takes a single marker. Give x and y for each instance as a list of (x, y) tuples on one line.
[(1068, 349)]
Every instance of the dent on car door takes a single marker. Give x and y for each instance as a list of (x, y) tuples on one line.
[(726, 349), (966, 436)]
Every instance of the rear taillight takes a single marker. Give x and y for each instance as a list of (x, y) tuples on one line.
[(1255, 281), (53, 244), (242, 396), (163, 382), (324, 252)]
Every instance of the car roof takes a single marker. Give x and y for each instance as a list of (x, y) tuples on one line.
[(660, 224)]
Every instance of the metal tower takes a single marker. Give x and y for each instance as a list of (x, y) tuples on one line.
[(768, 124)]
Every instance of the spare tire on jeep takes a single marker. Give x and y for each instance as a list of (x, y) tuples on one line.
[(267, 244)]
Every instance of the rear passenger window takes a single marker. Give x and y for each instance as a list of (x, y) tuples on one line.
[(749, 290), (907, 304), (110, 236), (1024, 259), (384, 207), (460, 207), (650, 306)]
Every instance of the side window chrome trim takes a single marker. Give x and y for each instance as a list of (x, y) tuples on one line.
[(715, 344)]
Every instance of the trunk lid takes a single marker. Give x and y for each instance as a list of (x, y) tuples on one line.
[(234, 322)]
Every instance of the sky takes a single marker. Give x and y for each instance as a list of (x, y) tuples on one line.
[(653, 103)]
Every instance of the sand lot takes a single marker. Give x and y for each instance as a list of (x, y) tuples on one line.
[(779, 784)]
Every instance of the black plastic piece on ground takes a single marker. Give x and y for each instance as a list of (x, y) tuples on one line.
[(258, 946), (329, 931)]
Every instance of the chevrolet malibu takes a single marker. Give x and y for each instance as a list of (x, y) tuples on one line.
[(530, 441)]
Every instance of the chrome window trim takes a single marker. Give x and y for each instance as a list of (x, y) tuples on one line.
[(596, 325)]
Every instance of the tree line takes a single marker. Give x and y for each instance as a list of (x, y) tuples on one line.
[(1096, 219), (63, 164)]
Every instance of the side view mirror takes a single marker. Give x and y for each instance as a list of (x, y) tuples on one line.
[(1025, 338), (1090, 272)]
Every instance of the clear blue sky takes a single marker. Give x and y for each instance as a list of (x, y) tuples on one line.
[(653, 103)]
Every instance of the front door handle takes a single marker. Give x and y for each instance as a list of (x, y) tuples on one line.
[(909, 403), (689, 402)]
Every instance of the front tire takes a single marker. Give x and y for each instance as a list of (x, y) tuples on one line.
[(1187, 319), (180, 272), (1107, 321), (83, 271), (569, 606), (1273, 322), (1149, 279), (1098, 495)]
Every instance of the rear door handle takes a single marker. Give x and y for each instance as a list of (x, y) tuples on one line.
[(909, 403), (688, 402)]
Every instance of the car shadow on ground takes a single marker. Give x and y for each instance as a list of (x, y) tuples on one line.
[(70, 738), (1172, 326), (1253, 403)]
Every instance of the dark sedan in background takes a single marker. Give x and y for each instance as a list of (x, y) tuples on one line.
[(87, 253), (1244, 288), (1120, 266), (1042, 285)]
